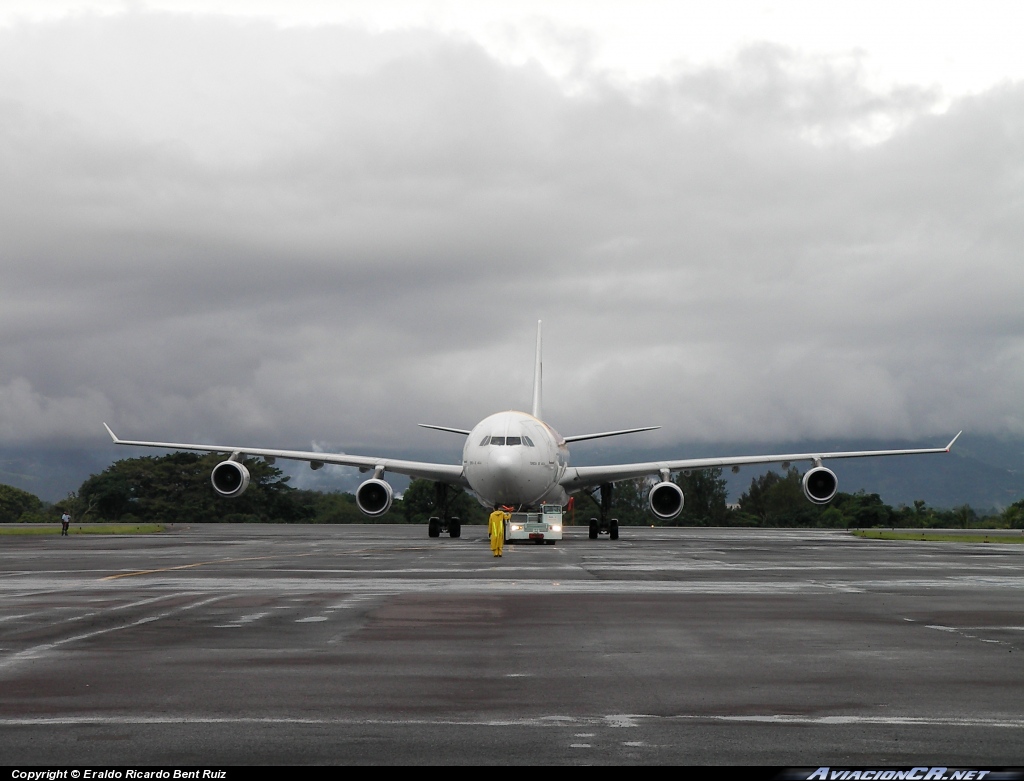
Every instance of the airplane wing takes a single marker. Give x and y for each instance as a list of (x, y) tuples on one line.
[(464, 431), (585, 476), (443, 473), (582, 437)]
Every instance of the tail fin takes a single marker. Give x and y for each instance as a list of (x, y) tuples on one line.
[(538, 379)]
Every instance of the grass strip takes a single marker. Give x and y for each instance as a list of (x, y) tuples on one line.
[(93, 528)]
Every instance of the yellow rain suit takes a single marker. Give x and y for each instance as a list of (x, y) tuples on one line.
[(496, 528)]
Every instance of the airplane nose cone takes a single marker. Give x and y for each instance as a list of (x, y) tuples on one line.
[(505, 468), (504, 460)]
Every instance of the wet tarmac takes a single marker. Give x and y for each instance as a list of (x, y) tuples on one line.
[(373, 644)]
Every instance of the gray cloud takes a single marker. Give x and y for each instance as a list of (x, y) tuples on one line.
[(219, 230)]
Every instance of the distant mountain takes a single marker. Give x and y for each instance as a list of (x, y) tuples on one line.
[(52, 473), (984, 472)]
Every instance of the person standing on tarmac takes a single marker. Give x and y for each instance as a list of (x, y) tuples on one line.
[(65, 522), (496, 529)]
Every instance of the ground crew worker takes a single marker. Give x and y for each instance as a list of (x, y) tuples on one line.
[(496, 529), (65, 522)]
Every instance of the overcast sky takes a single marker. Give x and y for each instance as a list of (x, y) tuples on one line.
[(284, 224)]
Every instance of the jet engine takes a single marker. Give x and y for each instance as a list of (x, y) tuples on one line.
[(820, 485), (665, 501), (230, 479), (374, 497)]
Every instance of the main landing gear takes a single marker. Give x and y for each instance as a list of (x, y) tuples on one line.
[(604, 524), (443, 523)]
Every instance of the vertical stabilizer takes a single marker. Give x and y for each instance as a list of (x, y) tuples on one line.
[(538, 379)]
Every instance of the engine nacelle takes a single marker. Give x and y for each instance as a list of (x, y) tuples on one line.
[(820, 485), (665, 501), (374, 497), (230, 479)]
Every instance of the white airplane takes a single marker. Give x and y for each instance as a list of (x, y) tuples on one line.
[(516, 459)]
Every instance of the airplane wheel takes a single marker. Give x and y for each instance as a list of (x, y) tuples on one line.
[(613, 529), (593, 528), (434, 528), (454, 527)]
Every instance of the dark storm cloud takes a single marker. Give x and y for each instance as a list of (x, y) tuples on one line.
[(217, 230)]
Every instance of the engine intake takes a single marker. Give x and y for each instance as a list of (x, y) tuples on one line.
[(230, 479), (665, 501), (820, 485), (374, 497)]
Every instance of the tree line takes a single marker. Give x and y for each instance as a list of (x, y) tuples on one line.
[(777, 500), (176, 488)]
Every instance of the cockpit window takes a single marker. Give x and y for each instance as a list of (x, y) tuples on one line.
[(485, 440), (507, 441)]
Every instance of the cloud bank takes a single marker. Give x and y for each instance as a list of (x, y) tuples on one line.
[(224, 230)]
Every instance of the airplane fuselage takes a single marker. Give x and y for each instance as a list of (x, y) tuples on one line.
[(513, 458)]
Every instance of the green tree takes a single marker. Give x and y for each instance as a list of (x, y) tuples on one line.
[(1013, 516), (14, 503), (176, 488), (418, 501), (755, 500), (778, 500), (833, 518), (419, 504), (918, 516), (965, 516), (629, 502), (864, 510), (705, 492), (80, 509)]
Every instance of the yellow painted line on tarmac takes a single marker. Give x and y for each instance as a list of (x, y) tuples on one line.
[(195, 564)]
